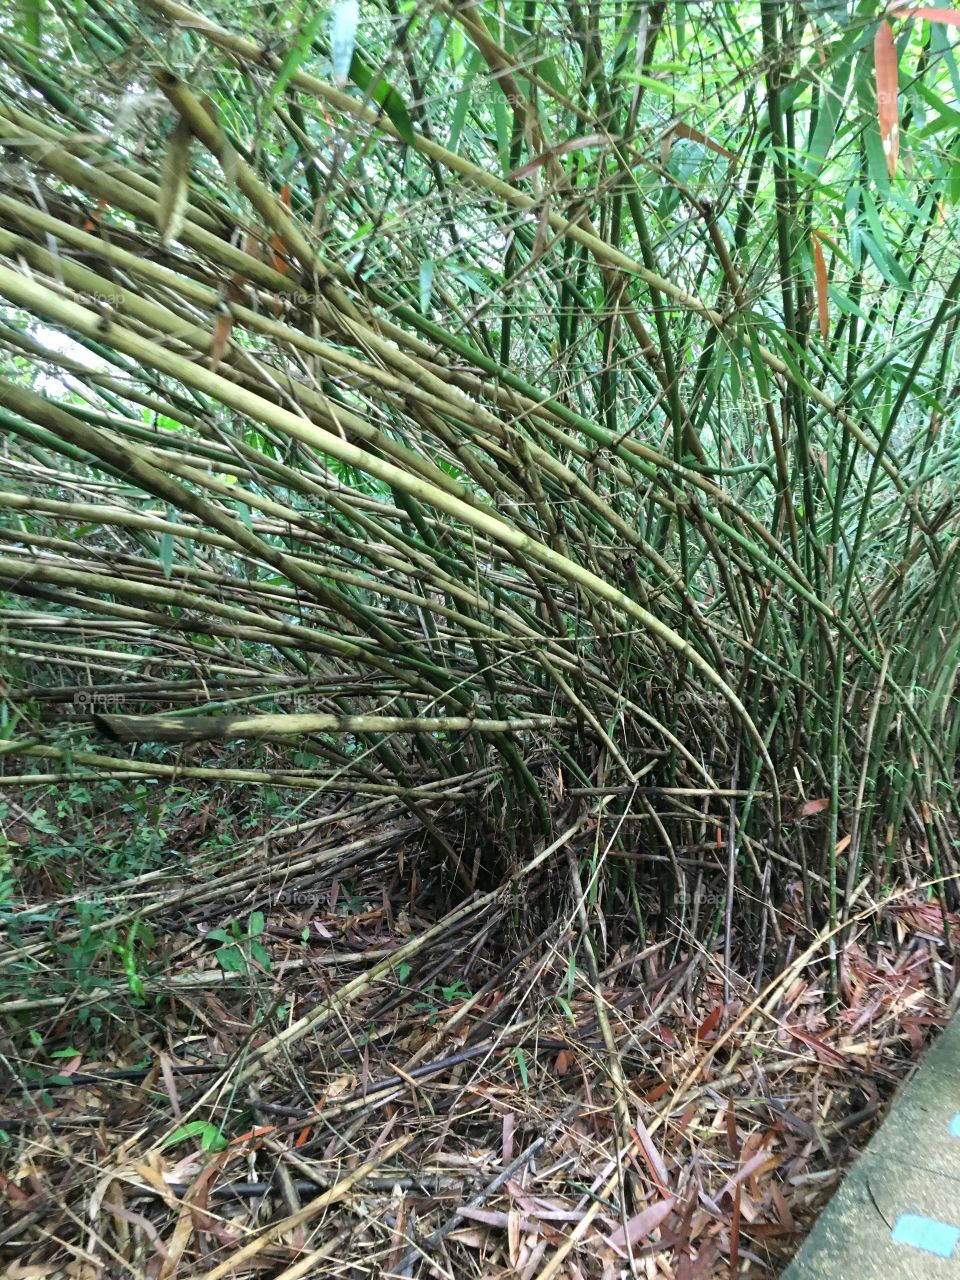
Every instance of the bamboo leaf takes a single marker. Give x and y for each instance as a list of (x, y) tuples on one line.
[(32, 10), (681, 130), (426, 285), (831, 109), (888, 110), (166, 555), (561, 149), (281, 257), (174, 187), (222, 327), (376, 87), (951, 17), (820, 273), (463, 98), (294, 59)]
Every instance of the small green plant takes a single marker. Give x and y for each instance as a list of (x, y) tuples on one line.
[(436, 995), (566, 1009), (521, 1058), (127, 951), (211, 1139), (455, 991), (240, 946)]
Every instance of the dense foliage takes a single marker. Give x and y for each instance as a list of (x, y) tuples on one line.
[(496, 408)]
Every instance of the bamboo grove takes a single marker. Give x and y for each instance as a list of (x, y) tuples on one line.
[(497, 410)]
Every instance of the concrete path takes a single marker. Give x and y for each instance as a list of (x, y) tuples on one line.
[(897, 1213)]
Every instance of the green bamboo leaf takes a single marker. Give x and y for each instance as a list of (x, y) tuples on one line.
[(521, 1059), (426, 285), (501, 122), (166, 554), (946, 117), (463, 99), (832, 100), (211, 1139), (876, 245), (953, 178), (456, 46), (942, 50), (192, 1129), (299, 49), (470, 278), (375, 86), (32, 11)]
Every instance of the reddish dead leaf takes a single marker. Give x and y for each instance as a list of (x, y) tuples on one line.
[(732, 1140), (753, 1165), (820, 272), (276, 243), (222, 327), (950, 16), (539, 244), (15, 1194), (681, 130), (913, 1032), (926, 917), (199, 1198), (641, 1224), (561, 149), (92, 221), (123, 1214), (823, 1051), (652, 1156), (252, 1134), (782, 1208), (809, 808), (709, 1024), (888, 113)]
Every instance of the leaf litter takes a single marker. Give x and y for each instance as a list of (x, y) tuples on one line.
[(453, 1111)]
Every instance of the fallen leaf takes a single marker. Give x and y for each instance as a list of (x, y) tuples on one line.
[(641, 1224), (709, 1023)]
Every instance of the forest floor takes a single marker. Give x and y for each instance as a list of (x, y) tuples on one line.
[(295, 1057)]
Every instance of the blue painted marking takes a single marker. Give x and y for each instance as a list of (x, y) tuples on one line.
[(927, 1234), (954, 1126)]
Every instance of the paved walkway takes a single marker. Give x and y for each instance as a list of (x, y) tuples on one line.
[(897, 1213)]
